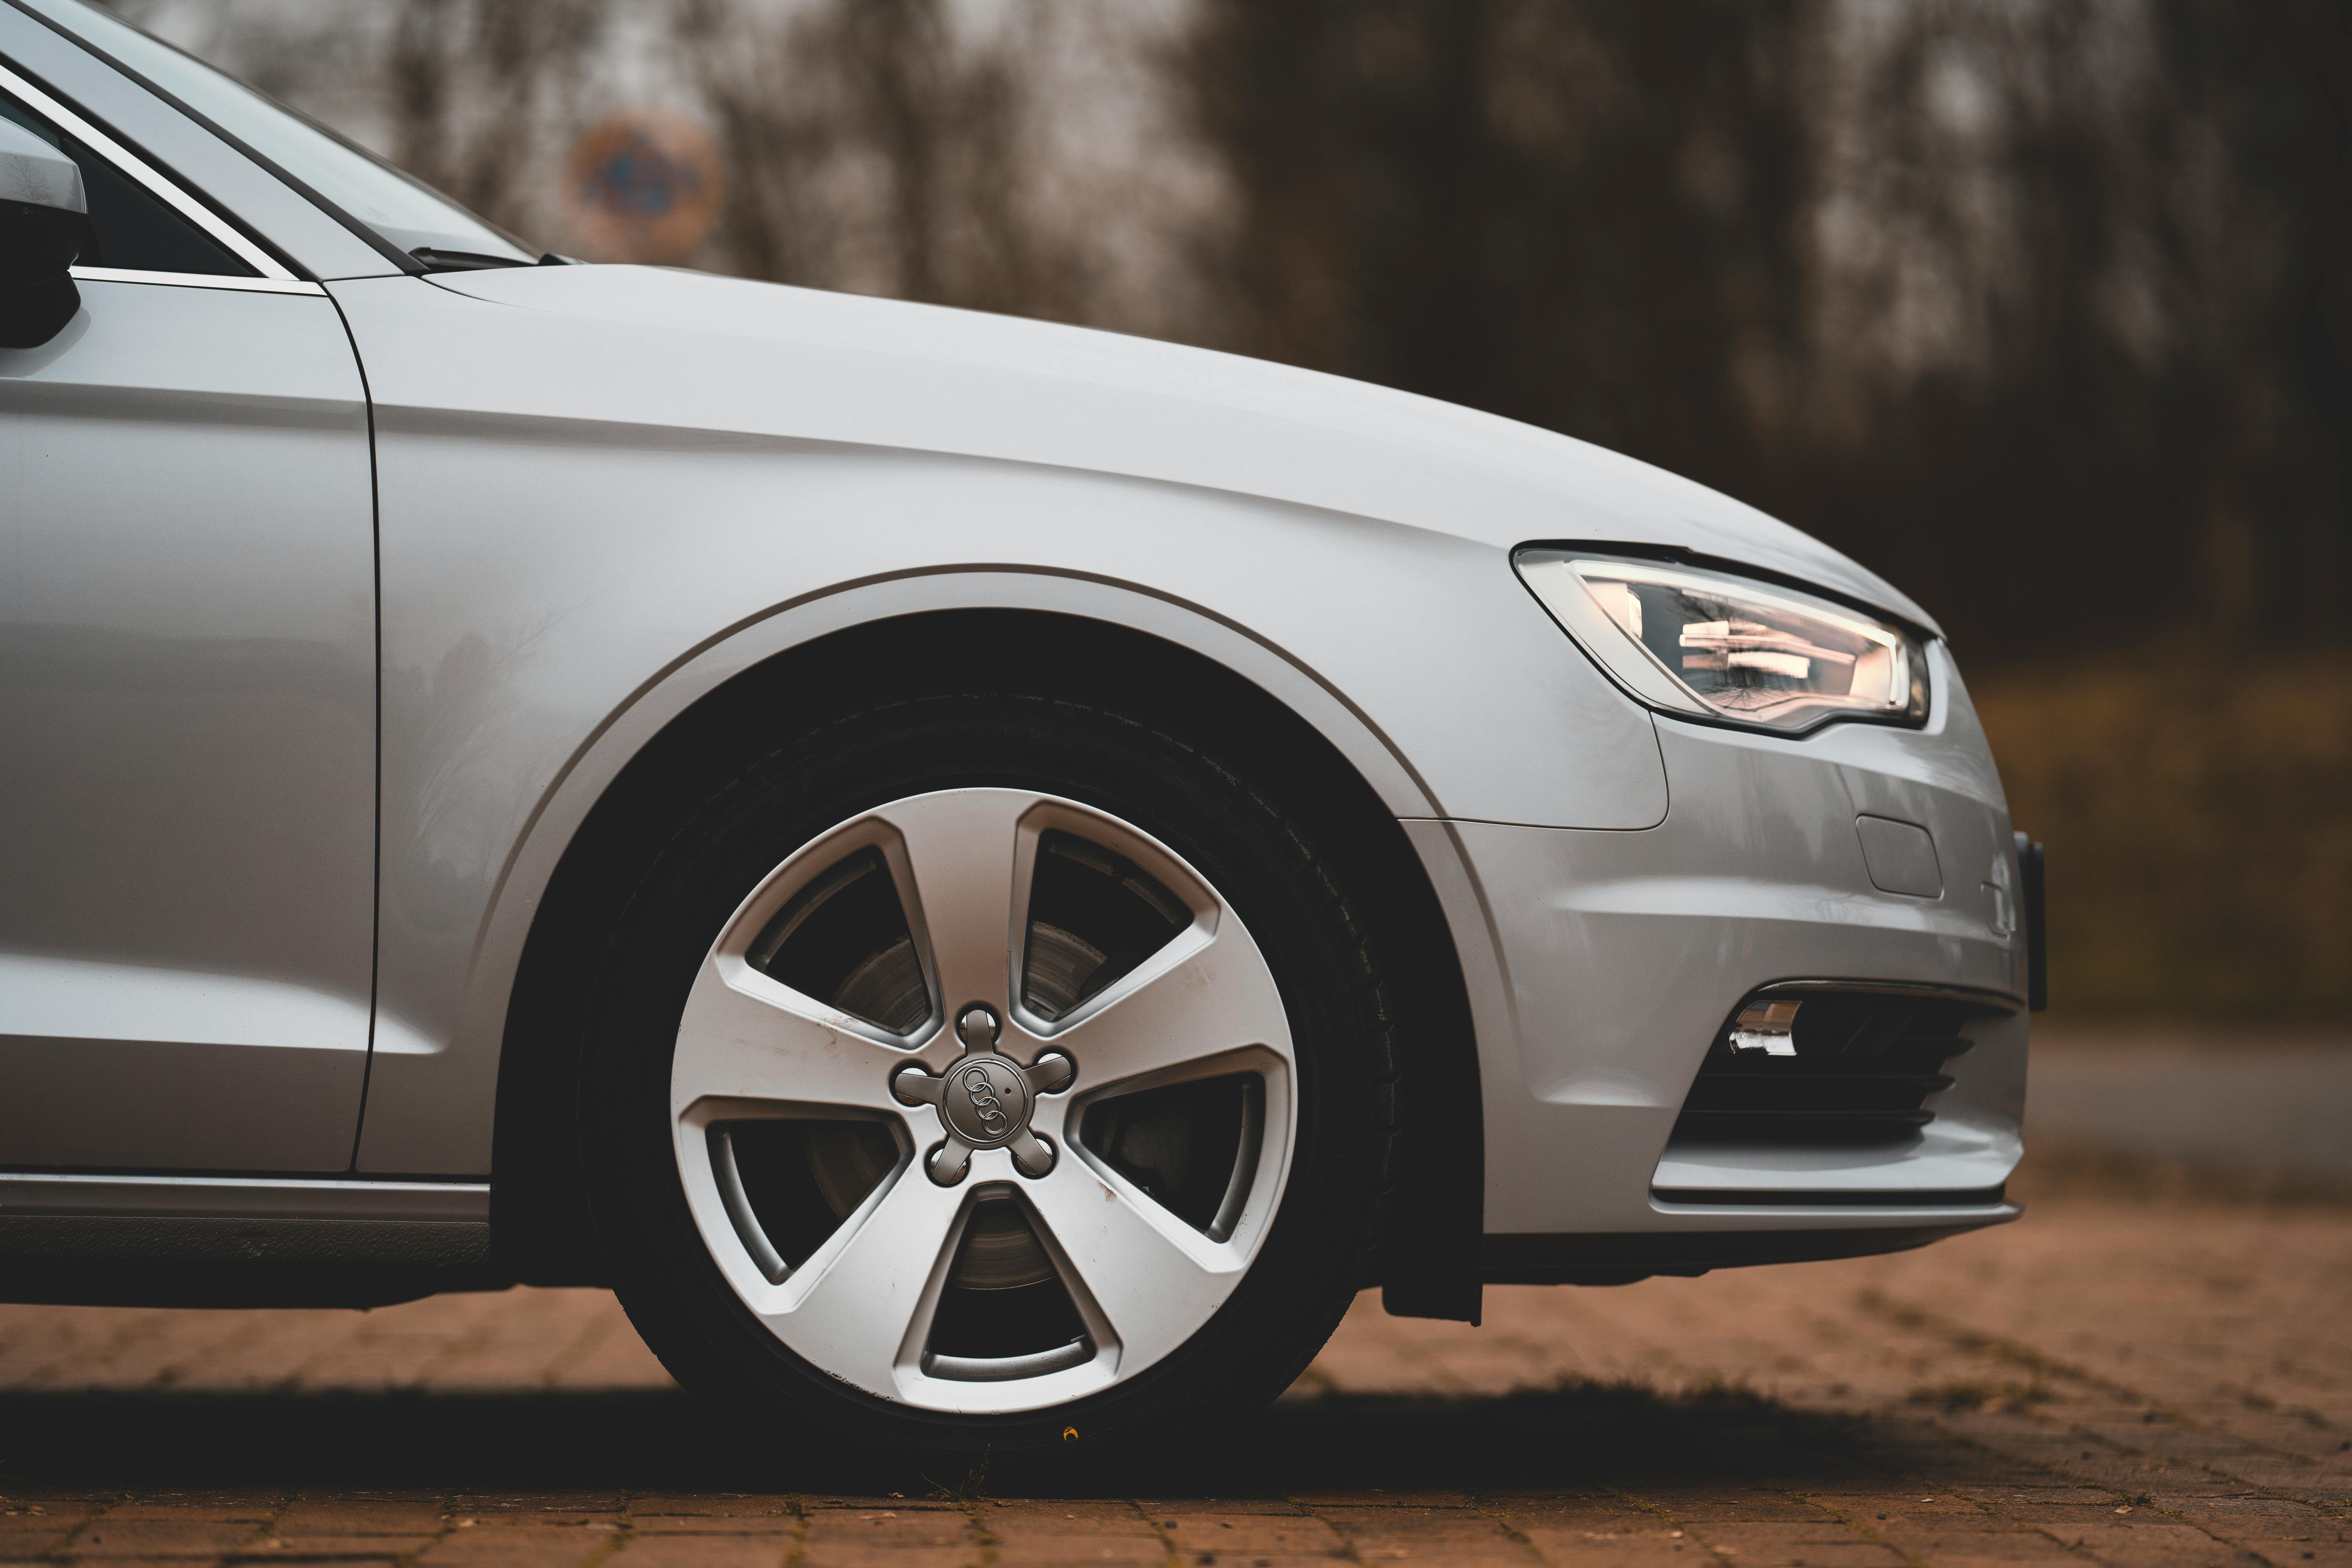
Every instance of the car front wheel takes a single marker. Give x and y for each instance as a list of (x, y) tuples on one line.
[(989, 1072)]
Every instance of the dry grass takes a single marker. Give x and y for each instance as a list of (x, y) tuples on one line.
[(2199, 818)]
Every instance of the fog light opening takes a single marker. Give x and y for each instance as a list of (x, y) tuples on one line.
[(1766, 1027)]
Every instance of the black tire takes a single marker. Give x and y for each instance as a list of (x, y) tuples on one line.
[(1317, 1251)]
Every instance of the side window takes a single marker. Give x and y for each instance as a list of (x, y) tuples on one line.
[(130, 226)]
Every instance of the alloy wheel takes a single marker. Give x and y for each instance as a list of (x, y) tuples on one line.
[(983, 1100)]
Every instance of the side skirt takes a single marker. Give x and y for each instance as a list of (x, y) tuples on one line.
[(239, 1241)]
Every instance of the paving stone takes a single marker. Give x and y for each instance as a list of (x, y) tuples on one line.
[(1734, 1505), (516, 1548), (579, 1507), (108, 1537), (853, 1536), (1651, 1548), (646, 1508), (703, 1552), (1268, 1533), (1449, 1534), (22, 1545), (279, 1544), (17, 1520), (314, 1516), (1060, 1531), (717, 1524), (1941, 1542), (206, 1506)]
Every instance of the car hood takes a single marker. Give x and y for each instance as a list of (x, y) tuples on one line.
[(688, 350)]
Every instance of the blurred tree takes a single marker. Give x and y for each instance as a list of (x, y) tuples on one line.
[(2140, 211), (1582, 216), (475, 88), (1996, 421), (874, 148), (2259, 179)]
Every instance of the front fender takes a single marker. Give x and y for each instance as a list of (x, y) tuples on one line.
[(556, 589)]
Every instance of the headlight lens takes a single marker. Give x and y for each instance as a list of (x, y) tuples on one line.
[(1693, 641)]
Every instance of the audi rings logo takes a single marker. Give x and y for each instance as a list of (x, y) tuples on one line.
[(985, 1100), (981, 1091)]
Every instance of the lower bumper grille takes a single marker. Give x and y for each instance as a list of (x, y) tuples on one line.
[(1816, 1062)]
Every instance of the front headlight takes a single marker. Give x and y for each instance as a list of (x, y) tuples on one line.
[(1701, 643)]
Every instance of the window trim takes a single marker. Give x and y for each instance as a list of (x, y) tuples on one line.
[(275, 277), (195, 280)]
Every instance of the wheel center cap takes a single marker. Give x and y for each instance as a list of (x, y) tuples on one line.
[(986, 1099)]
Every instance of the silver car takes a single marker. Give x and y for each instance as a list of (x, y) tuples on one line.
[(986, 877)]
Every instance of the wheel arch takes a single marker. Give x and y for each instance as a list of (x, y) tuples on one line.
[(1347, 792)]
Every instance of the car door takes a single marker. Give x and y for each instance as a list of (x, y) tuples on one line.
[(187, 698)]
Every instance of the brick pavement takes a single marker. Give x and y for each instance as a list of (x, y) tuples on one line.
[(2110, 1381)]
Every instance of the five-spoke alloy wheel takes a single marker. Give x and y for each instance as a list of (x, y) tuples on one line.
[(1018, 1165), (983, 1073)]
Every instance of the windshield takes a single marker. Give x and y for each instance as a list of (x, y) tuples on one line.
[(411, 216)]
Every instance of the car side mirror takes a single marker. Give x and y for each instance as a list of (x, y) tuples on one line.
[(43, 216)]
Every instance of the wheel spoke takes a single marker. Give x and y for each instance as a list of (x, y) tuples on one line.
[(745, 1037), (854, 1319), (1155, 1279), (1193, 1001), (960, 854)]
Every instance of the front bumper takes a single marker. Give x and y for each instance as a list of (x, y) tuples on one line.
[(1601, 967)]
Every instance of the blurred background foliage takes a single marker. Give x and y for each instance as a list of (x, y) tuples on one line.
[(2042, 308), (2200, 837)]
